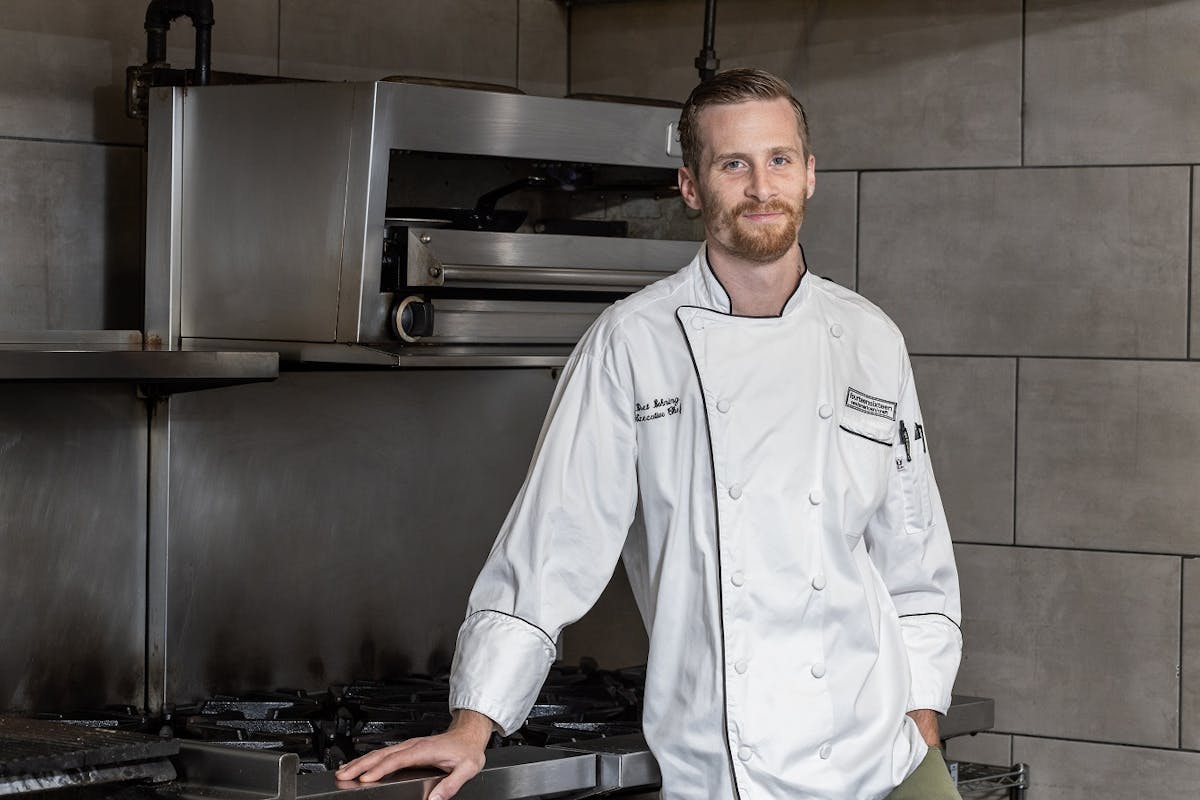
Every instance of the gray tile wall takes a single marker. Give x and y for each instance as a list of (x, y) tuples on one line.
[(968, 405), (1112, 82), (1108, 455), (1083, 262), (1026, 209), (1065, 770), (1189, 734), (1073, 644)]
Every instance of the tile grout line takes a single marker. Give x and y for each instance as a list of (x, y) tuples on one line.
[(1012, 167), (1094, 742), (1021, 110), (1179, 677), (1147, 359), (1191, 234), (857, 227), (1016, 437), (1067, 548)]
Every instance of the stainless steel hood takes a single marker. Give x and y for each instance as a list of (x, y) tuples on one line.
[(268, 221)]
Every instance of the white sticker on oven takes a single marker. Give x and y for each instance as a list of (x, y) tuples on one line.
[(876, 407)]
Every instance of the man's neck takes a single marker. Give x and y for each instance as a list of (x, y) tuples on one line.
[(757, 289)]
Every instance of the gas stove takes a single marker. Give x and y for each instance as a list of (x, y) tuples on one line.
[(287, 743), (582, 739), (326, 729)]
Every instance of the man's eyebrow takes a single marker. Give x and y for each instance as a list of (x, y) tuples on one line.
[(743, 156), (728, 156)]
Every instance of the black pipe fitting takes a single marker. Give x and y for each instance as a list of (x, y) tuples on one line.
[(159, 16)]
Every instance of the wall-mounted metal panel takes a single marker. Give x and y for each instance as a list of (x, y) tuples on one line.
[(73, 538), (329, 526)]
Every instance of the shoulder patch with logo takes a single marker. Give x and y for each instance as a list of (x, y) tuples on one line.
[(875, 406)]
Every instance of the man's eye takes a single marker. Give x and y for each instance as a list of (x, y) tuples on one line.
[(733, 164), (778, 160)]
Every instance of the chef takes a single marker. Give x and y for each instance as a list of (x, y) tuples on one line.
[(746, 435)]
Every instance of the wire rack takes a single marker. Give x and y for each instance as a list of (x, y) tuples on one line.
[(990, 781)]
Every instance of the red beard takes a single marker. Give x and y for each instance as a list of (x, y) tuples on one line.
[(761, 243)]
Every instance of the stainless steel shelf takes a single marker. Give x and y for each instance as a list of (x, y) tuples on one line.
[(117, 356), (397, 355), (967, 715)]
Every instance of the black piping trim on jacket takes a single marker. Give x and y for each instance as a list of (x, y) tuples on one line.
[(868, 438), (720, 578), (730, 313), (933, 614), (538, 628)]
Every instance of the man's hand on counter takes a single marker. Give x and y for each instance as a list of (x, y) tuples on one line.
[(927, 724), (458, 751)]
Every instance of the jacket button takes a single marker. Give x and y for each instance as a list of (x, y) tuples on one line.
[(735, 491), (818, 670), (737, 578), (723, 406), (741, 667), (697, 323), (826, 750), (826, 411), (815, 497), (835, 330), (744, 753), (818, 581)]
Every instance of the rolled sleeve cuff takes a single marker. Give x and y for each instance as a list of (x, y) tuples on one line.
[(499, 665), (934, 646)]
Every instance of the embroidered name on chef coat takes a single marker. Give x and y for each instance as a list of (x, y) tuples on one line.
[(657, 408), (876, 407)]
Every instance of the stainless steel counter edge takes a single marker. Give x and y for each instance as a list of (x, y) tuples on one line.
[(167, 371), (215, 771), (396, 356), (511, 772)]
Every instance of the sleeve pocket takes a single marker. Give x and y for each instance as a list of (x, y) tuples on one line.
[(913, 468)]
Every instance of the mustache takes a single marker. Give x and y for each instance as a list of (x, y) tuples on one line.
[(776, 206)]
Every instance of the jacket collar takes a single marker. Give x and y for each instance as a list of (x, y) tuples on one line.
[(712, 295)]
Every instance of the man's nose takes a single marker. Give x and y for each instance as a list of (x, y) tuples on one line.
[(760, 186)]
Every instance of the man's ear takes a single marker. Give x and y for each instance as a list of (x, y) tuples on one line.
[(812, 176), (688, 188)]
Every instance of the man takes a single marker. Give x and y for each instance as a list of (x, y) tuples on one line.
[(791, 558)]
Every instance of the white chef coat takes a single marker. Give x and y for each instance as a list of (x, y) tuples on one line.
[(789, 553)]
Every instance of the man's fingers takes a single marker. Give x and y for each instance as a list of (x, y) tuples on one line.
[(396, 760), (361, 765), (448, 786)]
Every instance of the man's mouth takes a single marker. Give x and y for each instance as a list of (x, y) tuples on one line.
[(771, 212)]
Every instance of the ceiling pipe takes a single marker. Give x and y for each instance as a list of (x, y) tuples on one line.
[(707, 62)]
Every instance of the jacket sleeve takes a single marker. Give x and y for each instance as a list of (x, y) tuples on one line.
[(909, 542), (557, 548)]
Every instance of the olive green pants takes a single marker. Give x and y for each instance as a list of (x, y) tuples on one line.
[(930, 781)]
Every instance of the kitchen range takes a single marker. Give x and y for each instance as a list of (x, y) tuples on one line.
[(582, 739)]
